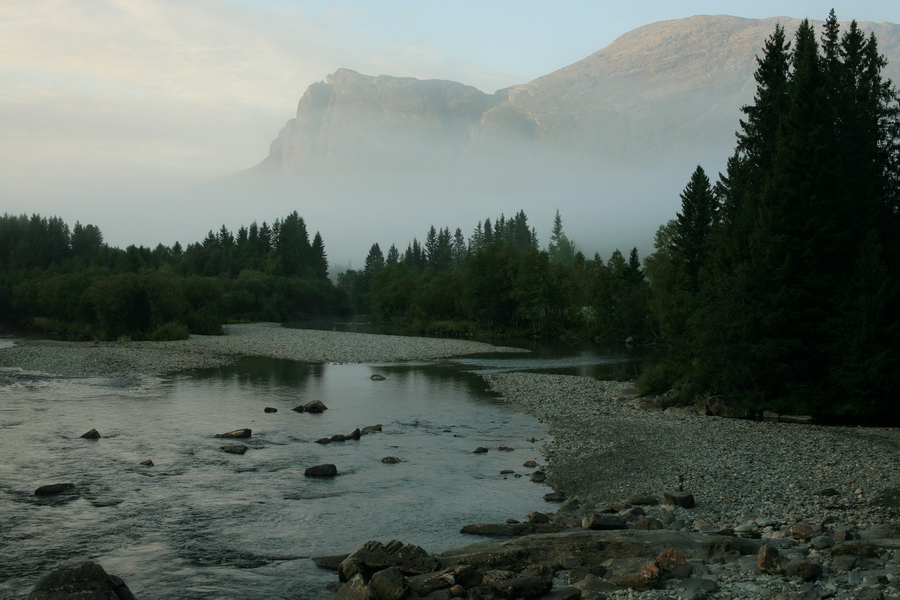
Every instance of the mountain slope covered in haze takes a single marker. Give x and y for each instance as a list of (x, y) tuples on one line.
[(610, 141), (660, 90)]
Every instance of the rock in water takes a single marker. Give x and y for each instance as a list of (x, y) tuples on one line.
[(93, 434), (54, 488), (270, 409), (315, 407), (237, 433), (81, 581), (235, 448), (327, 470)]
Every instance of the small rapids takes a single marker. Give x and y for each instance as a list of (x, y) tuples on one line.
[(201, 523)]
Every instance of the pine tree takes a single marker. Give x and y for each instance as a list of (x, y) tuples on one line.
[(393, 256), (693, 224), (374, 262), (319, 257), (560, 249), (807, 208)]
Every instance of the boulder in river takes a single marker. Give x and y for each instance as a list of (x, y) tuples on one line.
[(270, 409), (85, 580), (55, 488), (235, 449), (315, 407), (326, 470), (93, 434), (377, 377), (237, 434)]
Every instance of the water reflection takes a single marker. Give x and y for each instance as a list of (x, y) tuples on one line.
[(201, 523)]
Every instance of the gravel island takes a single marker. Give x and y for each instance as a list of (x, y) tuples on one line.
[(104, 359)]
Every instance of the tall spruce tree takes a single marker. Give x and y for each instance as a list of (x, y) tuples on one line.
[(806, 228)]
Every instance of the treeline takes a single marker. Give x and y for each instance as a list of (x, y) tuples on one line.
[(779, 283), (71, 282), (498, 280)]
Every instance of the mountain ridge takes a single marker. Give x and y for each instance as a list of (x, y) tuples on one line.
[(610, 141), (663, 88)]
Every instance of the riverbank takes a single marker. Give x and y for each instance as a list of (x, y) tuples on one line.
[(754, 479), (108, 359), (751, 479)]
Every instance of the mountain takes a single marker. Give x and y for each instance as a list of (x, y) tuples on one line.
[(665, 89), (610, 141)]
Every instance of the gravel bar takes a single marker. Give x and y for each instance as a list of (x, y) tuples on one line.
[(104, 359), (606, 446)]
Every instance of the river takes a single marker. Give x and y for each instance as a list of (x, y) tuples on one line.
[(204, 524)]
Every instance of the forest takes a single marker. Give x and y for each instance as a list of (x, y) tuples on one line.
[(69, 282), (775, 284)]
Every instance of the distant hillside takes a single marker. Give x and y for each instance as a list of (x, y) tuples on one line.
[(662, 90), (610, 141)]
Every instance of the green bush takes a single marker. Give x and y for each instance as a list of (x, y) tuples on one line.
[(658, 378), (173, 330)]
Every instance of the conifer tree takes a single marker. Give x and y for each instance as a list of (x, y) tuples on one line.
[(807, 212), (319, 257)]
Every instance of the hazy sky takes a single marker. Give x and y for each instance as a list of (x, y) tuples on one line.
[(100, 98)]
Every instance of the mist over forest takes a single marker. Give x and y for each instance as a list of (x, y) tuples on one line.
[(438, 209)]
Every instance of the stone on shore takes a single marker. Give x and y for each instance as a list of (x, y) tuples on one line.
[(373, 556), (389, 584), (599, 521), (509, 529), (768, 560), (730, 408), (643, 500), (80, 581), (681, 499), (236, 434)]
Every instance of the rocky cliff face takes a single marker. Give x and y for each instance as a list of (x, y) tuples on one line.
[(669, 88), (352, 117)]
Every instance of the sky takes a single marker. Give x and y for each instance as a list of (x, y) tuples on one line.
[(106, 103)]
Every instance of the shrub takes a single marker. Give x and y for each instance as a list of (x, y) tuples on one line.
[(658, 378), (173, 330)]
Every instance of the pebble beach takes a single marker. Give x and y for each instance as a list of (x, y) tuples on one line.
[(105, 359), (748, 477)]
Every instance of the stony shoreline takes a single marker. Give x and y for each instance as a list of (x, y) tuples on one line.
[(750, 479), (109, 359)]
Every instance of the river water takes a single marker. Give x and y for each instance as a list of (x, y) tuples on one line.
[(204, 524)]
